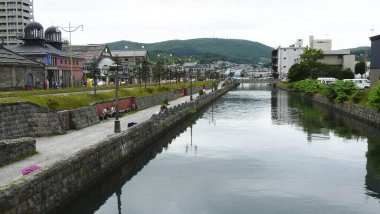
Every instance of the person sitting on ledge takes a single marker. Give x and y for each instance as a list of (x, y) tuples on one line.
[(113, 111), (104, 114)]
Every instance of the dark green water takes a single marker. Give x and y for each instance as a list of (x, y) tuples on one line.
[(253, 151)]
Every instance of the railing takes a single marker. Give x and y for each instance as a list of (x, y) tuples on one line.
[(256, 80)]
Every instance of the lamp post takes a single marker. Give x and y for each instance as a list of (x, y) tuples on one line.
[(191, 84), (117, 128), (71, 30)]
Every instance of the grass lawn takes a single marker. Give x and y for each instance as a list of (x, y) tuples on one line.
[(55, 100)]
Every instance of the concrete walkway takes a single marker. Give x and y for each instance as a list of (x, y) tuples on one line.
[(56, 148)]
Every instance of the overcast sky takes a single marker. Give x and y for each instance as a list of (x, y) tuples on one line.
[(271, 22)]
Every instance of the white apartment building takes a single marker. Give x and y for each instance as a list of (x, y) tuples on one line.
[(14, 16), (286, 57)]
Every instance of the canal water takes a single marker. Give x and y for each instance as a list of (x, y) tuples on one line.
[(255, 150)]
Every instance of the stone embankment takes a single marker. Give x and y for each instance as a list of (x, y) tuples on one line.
[(356, 111), (27, 119), (45, 190), (11, 150)]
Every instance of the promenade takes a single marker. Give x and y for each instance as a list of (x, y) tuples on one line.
[(52, 149)]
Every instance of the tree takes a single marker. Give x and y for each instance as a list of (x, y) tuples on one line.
[(95, 72), (299, 71), (137, 70), (145, 70), (158, 69), (360, 68), (347, 74), (311, 55)]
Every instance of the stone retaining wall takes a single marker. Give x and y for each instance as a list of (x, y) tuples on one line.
[(23, 119), (83, 117), (149, 101), (45, 190), (13, 149), (362, 113)]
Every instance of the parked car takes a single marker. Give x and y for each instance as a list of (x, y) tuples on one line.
[(360, 83), (101, 83), (326, 80)]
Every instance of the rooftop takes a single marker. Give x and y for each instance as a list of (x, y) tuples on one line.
[(10, 57), (88, 52), (125, 53)]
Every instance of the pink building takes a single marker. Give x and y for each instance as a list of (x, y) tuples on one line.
[(46, 47)]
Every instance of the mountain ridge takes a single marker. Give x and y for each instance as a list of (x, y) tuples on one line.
[(205, 50)]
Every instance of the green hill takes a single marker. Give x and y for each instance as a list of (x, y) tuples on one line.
[(206, 50), (361, 53)]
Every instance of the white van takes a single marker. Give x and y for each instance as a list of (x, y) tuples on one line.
[(360, 83), (326, 80)]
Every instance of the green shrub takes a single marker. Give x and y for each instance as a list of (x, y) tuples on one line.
[(341, 91), (358, 95), (374, 97), (310, 87)]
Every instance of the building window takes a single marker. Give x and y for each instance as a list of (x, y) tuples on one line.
[(284, 57), (65, 62), (61, 61), (284, 66)]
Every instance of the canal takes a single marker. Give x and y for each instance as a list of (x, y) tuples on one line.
[(255, 150)]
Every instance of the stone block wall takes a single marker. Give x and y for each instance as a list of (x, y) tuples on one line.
[(356, 111), (149, 101), (83, 117), (363, 113), (45, 190), (13, 149), (25, 119)]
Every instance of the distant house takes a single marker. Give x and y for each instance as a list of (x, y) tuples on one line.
[(196, 69), (19, 72), (129, 60), (100, 52), (375, 60)]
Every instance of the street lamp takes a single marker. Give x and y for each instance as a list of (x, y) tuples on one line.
[(117, 128), (191, 84), (71, 30)]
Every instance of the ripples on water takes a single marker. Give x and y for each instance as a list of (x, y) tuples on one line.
[(253, 151)]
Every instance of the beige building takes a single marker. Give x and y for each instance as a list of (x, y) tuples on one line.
[(340, 58), (14, 16), (322, 44)]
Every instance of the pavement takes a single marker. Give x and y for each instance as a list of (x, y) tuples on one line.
[(52, 149)]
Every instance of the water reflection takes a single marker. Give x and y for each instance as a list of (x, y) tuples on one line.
[(100, 193), (373, 168), (318, 121)]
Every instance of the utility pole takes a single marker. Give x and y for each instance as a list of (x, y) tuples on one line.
[(71, 30)]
